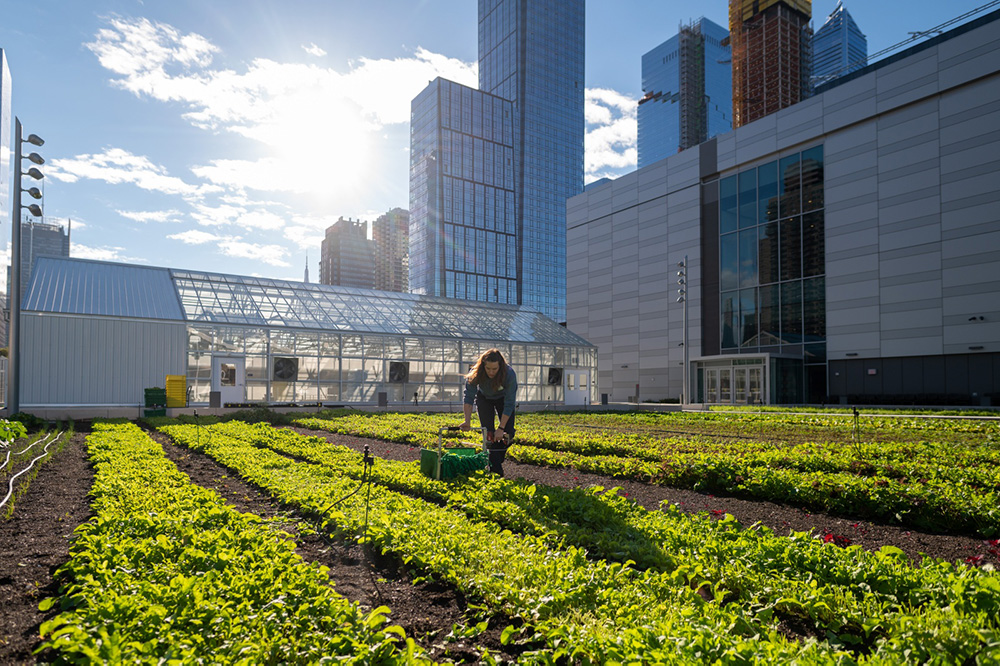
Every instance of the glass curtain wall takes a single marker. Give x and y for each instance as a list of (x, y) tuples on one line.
[(772, 266), (354, 368)]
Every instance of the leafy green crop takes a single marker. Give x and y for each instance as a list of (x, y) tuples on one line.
[(167, 573), (934, 474), (710, 590)]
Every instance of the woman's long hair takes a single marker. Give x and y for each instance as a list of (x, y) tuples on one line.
[(478, 374)]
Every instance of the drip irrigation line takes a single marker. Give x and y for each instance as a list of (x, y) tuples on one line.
[(35, 443), (368, 461), (10, 483)]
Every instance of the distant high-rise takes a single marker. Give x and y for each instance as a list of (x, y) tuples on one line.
[(391, 233), (772, 51), (839, 47), (463, 241), (347, 256), (531, 55), (688, 86), (37, 239)]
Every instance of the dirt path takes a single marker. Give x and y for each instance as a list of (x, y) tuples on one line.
[(34, 542)]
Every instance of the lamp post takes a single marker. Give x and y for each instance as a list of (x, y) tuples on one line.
[(682, 298), (14, 288)]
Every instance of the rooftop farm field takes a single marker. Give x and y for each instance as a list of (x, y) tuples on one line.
[(628, 538), (938, 475)]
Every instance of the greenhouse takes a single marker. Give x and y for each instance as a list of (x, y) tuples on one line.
[(98, 333)]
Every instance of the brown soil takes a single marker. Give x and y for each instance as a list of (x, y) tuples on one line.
[(35, 542)]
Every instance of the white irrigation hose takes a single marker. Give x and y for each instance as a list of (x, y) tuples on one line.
[(10, 491), (35, 443)]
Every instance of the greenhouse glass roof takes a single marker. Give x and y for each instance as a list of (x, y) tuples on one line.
[(80, 286)]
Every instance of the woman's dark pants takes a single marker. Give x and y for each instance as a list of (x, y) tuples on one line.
[(488, 411)]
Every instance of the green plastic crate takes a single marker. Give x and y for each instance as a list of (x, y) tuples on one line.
[(454, 462), (155, 397), (155, 412)]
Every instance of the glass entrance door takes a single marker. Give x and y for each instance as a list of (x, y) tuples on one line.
[(725, 386), (711, 385), (740, 385), (755, 386)]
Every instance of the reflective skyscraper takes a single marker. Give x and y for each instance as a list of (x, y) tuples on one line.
[(688, 86), (839, 47), (531, 55), (463, 232)]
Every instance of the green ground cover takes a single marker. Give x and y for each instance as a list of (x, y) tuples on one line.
[(166, 573), (934, 474), (559, 565)]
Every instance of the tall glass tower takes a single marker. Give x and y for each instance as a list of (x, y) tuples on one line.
[(532, 53), (688, 86), (839, 47), (531, 56), (463, 234)]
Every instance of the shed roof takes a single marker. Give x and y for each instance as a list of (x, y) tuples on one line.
[(80, 286), (77, 286)]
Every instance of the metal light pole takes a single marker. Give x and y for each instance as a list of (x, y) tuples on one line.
[(682, 298), (14, 288)]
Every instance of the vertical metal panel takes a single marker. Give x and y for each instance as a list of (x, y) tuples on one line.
[(838, 378), (913, 375), (873, 382), (892, 376), (982, 381), (957, 374), (97, 361), (855, 377)]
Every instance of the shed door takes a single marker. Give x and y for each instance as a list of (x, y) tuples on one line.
[(229, 378), (577, 386)]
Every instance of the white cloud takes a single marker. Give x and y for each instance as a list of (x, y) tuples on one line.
[(257, 101), (195, 237), (260, 219), (117, 166), (216, 215), (313, 50), (273, 255), (308, 231), (140, 51), (145, 216), (104, 253), (305, 238), (610, 146), (385, 88)]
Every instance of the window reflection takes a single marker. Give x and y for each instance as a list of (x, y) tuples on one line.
[(790, 190)]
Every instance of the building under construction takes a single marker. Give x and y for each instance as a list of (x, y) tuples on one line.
[(772, 47)]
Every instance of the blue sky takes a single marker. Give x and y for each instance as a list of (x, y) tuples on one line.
[(226, 135)]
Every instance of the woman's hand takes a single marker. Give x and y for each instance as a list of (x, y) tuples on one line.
[(466, 426)]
